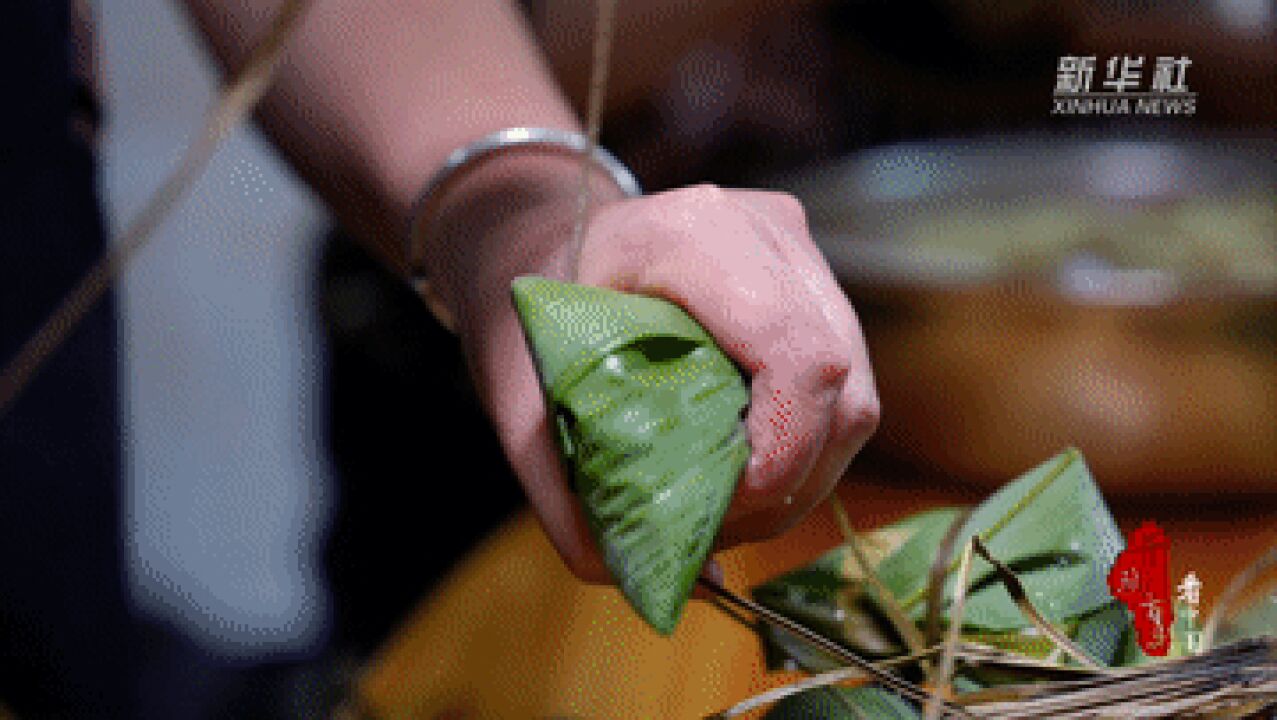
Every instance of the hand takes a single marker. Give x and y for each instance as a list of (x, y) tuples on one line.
[(743, 264)]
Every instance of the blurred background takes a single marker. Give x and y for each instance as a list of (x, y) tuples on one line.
[(222, 355), (1026, 280), (229, 490), (278, 385)]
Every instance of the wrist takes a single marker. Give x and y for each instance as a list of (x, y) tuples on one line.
[(503, 206), (511, 215)]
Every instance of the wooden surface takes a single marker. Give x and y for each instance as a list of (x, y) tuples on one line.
[(512, 635)]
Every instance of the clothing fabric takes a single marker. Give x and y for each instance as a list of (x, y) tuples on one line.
[(65, 638)]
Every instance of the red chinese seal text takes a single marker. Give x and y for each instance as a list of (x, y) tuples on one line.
[(1141, 580)]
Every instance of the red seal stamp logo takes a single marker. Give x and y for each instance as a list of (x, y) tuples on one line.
[(1141, 580)]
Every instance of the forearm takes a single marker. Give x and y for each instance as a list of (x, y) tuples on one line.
[(373, 95), (651, 37)]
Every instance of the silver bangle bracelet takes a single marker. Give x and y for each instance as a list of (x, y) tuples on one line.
[(467, 156)]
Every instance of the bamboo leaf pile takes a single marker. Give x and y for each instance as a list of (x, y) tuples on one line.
[(1053, 536)]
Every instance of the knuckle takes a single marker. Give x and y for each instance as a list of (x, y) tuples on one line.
[(790, 209), (700, 194), (834, 371), (864, 412), (792, 440), (823, 369)]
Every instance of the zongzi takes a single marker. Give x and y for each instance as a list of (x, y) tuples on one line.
[(648, 415)]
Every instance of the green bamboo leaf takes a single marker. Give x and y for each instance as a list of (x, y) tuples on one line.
[(648, 411), (1103, 633), (1051, 526), (1258, 620), (828, 597)]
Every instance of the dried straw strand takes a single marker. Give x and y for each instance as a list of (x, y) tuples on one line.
[(1236, 586), (881, 676), (906, 628), (235, 101), (1016, 589), (775, 695), (1068, 458), (940, 681), (937, 573), (604, 26), (1235, 674)]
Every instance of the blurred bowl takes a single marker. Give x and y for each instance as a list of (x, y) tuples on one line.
[(1022, 295)]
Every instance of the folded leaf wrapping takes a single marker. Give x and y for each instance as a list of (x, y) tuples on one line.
[(648, 411), (1051, 526)]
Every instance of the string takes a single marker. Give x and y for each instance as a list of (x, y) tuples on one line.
[(235, 102), (605, 22), (879, 674)]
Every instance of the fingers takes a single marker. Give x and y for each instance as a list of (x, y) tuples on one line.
[(743, 264), (854, 416), (787, 224)]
